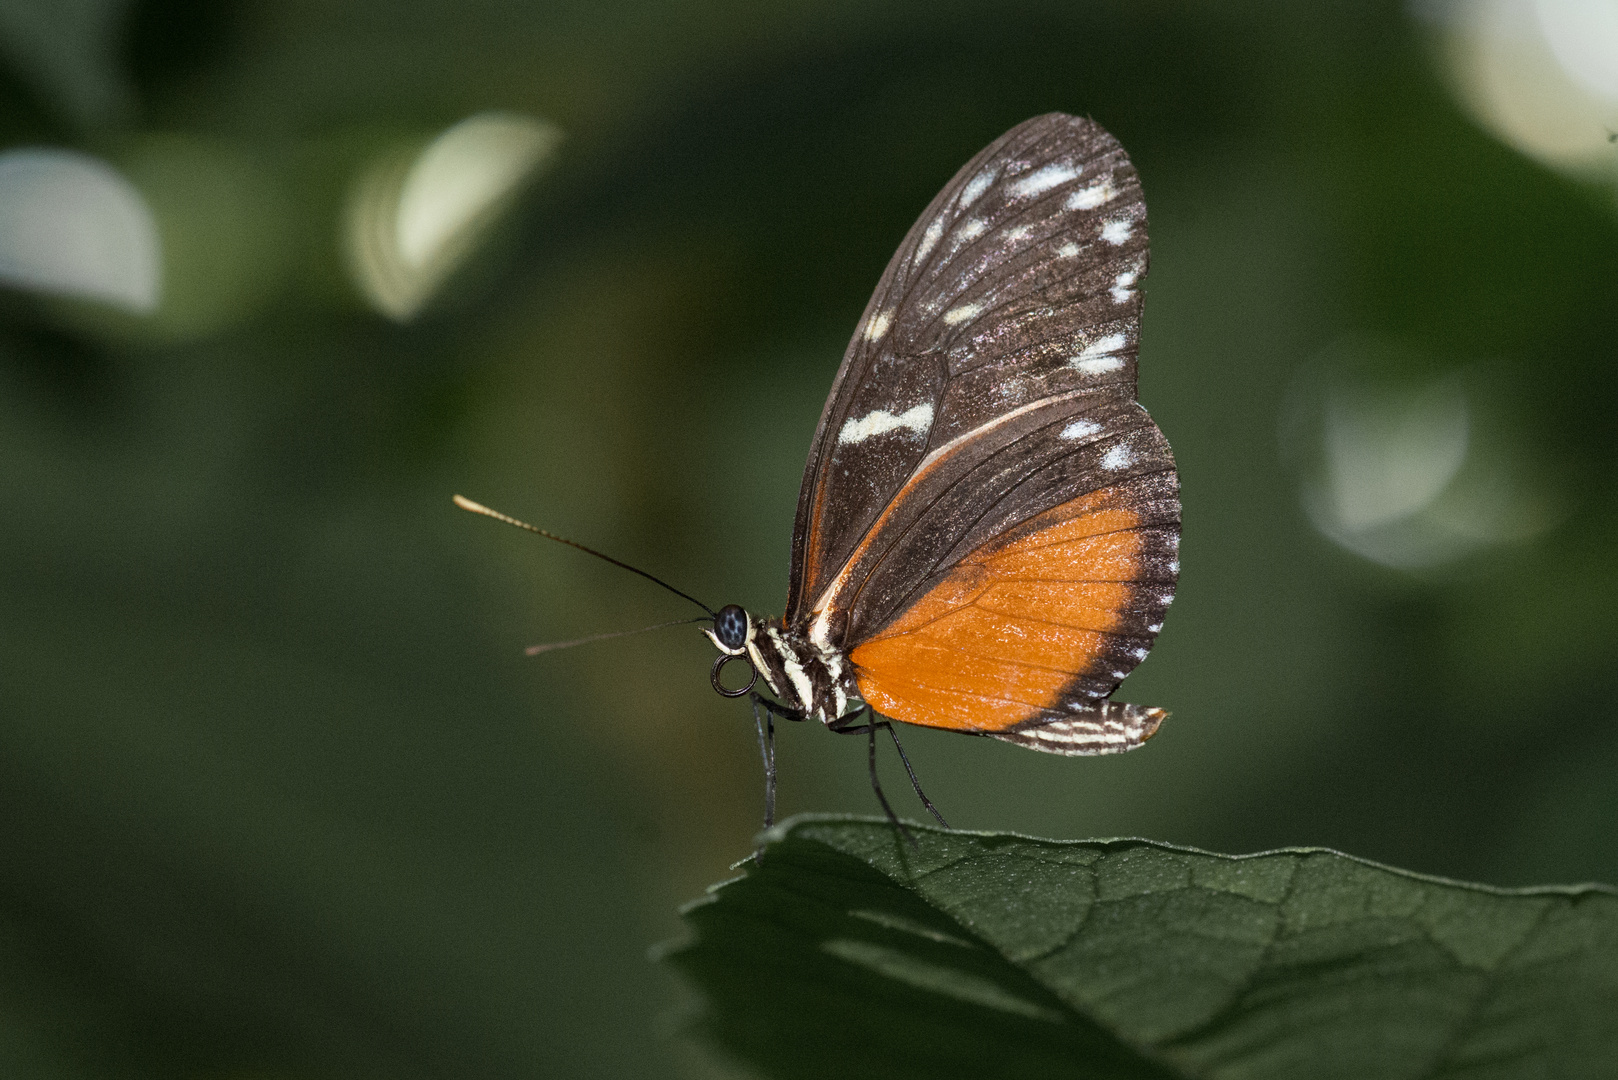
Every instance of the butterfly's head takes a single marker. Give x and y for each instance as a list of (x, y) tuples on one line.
[(732, 630), (732, 626)]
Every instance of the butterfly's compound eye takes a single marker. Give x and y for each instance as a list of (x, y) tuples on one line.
[(730, 626)]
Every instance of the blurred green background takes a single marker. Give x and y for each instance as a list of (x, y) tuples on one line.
[(281, 797)]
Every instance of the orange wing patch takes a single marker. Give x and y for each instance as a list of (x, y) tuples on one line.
[(994, 643)]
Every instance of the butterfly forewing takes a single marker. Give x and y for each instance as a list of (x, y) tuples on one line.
[(1020, 282), (988, 521)]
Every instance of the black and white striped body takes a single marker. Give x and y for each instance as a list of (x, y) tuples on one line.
[(804, 677)]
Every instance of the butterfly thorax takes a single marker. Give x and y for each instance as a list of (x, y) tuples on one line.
[(815, 680)]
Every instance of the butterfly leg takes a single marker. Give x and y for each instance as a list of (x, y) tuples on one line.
[(876, 786), (765, 712), (845, 726), (920, 794), (775, 708)]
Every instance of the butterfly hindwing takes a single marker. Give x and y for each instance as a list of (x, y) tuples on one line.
[(1040, 623), (989, 521)]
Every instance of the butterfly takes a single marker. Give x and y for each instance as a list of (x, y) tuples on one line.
[(988, 530)]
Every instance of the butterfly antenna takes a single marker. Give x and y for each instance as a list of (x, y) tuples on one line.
[(478, 508), (552, 646)]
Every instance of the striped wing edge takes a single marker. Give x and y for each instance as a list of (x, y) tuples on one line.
[(1110, 728)]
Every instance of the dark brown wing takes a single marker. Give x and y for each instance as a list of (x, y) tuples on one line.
[(992, 381)]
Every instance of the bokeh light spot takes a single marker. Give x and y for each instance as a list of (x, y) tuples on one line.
[(1389, 455), (412, 222), (1400, 473), (1540, 75), (72, 225), (1583, 35)]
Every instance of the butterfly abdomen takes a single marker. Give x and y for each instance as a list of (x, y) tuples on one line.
[(816, 681)]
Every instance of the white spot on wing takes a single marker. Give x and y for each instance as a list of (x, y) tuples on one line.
[(1067, 251), (962, 313), (1099, 357), (929, 239), (1122, 286), (1093, 196), (973, 229), (1079, 429), (1116, 232), (978, 185), (878, 325), (1119, 457), (1042, 180), (1065, 731), (819, 624), (881, 421)]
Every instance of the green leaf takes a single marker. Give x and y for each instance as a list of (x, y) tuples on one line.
[(848, 953)]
